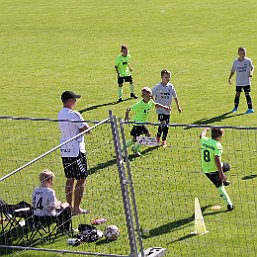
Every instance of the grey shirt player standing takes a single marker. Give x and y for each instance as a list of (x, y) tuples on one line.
[(163, 93), (244, 68), (73, 153)]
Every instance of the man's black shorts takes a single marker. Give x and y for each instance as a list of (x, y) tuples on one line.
[(75, 167), (164, 117), (214, 176), (247, 89), (126, 79), (139, 130)]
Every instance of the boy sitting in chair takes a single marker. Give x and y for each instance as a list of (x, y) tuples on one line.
[(46, 205)]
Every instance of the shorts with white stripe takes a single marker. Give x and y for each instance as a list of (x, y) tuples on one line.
[(75, 167)]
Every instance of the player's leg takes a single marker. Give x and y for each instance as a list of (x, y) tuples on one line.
[(237, 97), (165, 129), (247, 91), (214, 177), (80, 176), (159, 131), (226, 167), (69, 164), (69, 187), (133, 140), (131, 86), (223, 193), (78, 195), (120, 88), (141, 130)]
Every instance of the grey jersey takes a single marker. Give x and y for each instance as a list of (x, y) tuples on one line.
[(43, 201), (242, 69), (163, 95)]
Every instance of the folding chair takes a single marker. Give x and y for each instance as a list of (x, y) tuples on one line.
[(49, 227), (15, 220)]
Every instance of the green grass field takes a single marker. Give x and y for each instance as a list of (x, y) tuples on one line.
[(51, 46)]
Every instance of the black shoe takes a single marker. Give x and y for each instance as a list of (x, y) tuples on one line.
[(230, 207), (226, 183), (132, 95), (120, 100)]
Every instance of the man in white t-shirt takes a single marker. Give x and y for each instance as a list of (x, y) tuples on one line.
[(163, 93), (45, 204), (244, 68), (73, 153)]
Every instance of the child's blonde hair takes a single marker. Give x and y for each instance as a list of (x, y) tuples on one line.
[(146, 90), (46, 175)]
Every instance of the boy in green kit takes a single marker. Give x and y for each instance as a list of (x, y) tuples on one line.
[(212, 165), (123, 69), (141, 110)]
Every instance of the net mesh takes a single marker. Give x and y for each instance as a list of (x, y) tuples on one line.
[(167, 181), (23, 140)]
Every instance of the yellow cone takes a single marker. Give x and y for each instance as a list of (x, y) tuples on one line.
[(200, 228)]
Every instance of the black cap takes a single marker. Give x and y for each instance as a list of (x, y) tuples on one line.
[(69, 95)]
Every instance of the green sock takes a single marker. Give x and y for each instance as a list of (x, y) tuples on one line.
[(120, 92), (223, 193), (136, 147), (131, 88), (130, 142)]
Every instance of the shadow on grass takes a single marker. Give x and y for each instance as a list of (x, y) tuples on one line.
[(101, 105), (113, 161), (103, 241), (249, 177), (175, 225), (144, 152), (101, 166), (218, 118)]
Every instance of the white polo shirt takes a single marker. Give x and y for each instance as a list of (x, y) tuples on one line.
[(163, 95), (242, 69), (70, 129)]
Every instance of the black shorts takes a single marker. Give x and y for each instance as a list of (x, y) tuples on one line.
[(126, 79), (75, 167), (164, 117), (139, 130), (247, 89), (214, 176)]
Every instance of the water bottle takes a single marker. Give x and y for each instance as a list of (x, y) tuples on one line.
[(99, 221)]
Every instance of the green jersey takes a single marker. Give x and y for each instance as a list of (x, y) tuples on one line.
[(141, 110), (122, 64), (210, 148)]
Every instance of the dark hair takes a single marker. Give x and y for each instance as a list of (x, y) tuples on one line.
[(216, 132), (164, 71), (241, 49), (123, 47)]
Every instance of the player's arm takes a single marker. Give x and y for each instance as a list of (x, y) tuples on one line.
[(219, 168), (162, 106), (85, 127), (251, 71), (178, 105), (130, 68), (52, 201), (231, 74), (117, 70), (204, 132), (127, 113)]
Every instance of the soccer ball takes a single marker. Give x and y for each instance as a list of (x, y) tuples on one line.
[(111, 232)]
